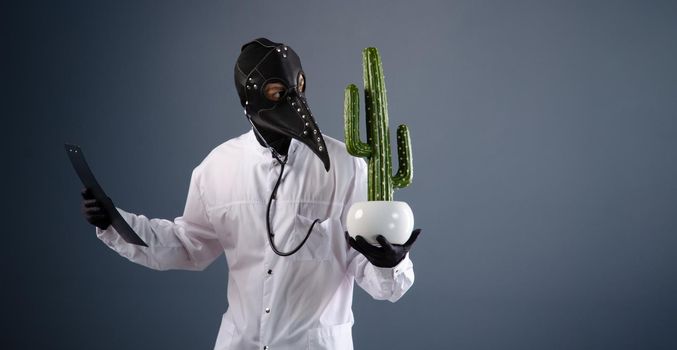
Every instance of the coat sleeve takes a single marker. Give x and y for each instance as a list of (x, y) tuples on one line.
[(187, 243), (381, 283)]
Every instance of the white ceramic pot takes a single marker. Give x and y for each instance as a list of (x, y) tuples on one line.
[(392, 219)]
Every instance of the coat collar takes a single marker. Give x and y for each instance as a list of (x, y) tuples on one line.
[(253, 144)]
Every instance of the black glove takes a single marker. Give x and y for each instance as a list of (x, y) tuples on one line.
[(387, 255), (92, 210)]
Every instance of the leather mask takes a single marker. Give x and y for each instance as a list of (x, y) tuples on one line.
[(262, 62)]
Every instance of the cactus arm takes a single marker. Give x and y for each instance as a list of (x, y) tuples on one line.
[(405, 172), (351, 114)]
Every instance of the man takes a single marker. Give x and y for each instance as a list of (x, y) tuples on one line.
[(275, 201)]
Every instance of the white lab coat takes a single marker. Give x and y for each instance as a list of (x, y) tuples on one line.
[(297, 302)]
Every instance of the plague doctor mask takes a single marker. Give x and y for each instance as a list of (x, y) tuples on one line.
[(280, 116)]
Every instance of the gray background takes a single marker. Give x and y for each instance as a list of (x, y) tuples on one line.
[(544, 137)]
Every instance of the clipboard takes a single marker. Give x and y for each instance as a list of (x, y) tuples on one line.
[(81, 167)]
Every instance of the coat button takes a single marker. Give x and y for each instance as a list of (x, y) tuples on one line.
[(267, 310), (265, 347), (270, 272)]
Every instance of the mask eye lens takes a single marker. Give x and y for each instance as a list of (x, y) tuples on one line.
[(301, 86), (274, 91)]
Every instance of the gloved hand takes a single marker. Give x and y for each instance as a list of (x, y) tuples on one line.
[(92, 210), (387, 255)]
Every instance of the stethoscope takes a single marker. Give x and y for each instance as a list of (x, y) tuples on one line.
[(283, 161)]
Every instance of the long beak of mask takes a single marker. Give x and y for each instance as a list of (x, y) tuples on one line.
[(292, 117), (262, 61)]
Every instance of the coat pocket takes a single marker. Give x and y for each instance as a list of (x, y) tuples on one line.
[(332, 337), (317, 246)]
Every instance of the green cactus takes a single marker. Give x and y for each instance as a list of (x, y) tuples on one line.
[(377, 149)]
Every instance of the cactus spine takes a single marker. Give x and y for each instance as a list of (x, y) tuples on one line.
[(377, 147)]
